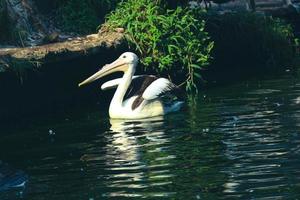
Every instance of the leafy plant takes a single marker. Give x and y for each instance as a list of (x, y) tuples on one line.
[(82, 16), (172, 42), (249, 44)]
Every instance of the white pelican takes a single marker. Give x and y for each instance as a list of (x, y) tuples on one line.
[(137, 97)]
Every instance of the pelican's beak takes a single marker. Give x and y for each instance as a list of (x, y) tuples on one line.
[(118, 65)]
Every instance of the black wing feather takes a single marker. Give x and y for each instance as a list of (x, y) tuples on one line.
[(137, 88), (141, 83)]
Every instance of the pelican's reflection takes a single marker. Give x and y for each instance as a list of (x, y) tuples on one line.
[(137, 155), (127, 137)]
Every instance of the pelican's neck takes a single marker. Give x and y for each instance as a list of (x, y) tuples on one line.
[(122, 88)]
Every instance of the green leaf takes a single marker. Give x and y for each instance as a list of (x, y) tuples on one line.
[(196, 66)]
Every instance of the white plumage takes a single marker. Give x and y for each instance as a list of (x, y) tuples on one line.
[(140, 96), (114, 83), (157, 88)]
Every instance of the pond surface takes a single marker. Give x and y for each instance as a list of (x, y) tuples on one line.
[(234, 142)]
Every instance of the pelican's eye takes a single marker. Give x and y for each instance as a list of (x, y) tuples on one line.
[(124, 56)]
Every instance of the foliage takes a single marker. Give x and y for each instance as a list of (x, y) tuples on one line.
[(169, 41), (249, 42), (82, 16)]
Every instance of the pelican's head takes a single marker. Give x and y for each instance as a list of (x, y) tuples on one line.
[(127, 61)]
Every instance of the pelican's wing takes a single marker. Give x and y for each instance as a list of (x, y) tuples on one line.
[(139, 85), (113, 83), (157, 88), (160, 87), (145, 87)]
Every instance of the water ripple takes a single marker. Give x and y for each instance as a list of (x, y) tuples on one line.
[(239, 142)]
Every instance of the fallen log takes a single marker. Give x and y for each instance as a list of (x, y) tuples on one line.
[(61, 51)]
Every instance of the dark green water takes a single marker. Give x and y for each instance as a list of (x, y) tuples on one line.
[(233, 142)]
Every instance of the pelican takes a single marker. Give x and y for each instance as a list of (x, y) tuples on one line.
[(137, 97)]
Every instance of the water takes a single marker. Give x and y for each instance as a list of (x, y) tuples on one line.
[(233, 142)]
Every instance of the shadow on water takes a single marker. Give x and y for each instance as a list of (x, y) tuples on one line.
[(236, 142)]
